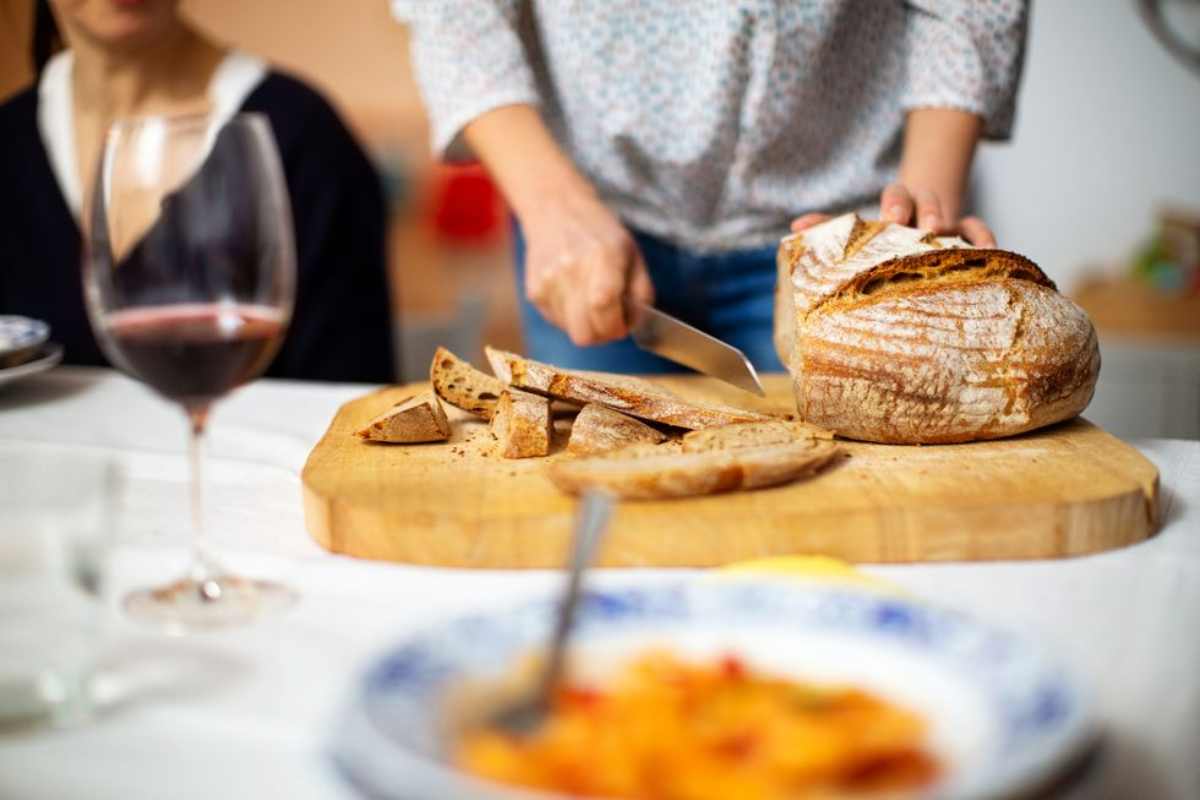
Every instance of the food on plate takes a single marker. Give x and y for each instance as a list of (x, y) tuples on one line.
[(463, 386), (749, 434), (894, 335), (659, 472), (598, 429), (667, 729), (522, 424), (417, 419), (632, 396)]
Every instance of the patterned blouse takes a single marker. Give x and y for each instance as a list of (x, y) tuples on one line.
[(713, 123)]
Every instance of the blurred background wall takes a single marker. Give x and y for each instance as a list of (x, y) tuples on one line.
[(1108, 130), (1108, 133)]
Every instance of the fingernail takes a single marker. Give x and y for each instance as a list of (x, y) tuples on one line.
[(930, 222), (896, 213)]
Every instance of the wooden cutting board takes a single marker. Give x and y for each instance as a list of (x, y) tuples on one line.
[(1067, 490)]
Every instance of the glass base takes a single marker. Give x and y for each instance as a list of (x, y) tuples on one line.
[(49, 699), (191, 605)]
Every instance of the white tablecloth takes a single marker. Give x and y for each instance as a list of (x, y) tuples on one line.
[(245, 714)]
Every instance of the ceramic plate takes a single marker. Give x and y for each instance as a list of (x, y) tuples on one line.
[(47, 357), (18, 334), (1004, 717)]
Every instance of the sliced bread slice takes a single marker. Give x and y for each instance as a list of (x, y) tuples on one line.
[(463, 386), (641, 473), (632, 396), (417, 419), (598, 429), (522, 424), (751, 434)]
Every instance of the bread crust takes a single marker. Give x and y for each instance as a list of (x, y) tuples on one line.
[(522, 424), (420, 418), (598, 429), (911, 339), (632, 396), (463, 386)]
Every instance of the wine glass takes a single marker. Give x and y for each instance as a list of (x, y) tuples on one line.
[(189, 278)]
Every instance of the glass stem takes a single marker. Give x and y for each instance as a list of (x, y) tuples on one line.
[(203, 566)]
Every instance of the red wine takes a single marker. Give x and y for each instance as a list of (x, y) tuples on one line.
[(194, 353)]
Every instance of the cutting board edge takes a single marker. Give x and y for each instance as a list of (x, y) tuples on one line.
[(943, 547)]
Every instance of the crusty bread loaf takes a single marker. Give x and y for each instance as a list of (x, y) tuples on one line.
[(657, 472), (416, 419), (632, 396), (892, 335), (522, 424), (598, 429), (751, 434), (463, 386)]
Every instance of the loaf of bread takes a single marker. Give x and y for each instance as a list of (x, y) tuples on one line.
[(632, 396), (897, 336), (416, 419), (751, 434), (598, 429), (522, 424), (463, 386), (661, 472)]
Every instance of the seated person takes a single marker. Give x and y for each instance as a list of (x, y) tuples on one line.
[(127, 60)]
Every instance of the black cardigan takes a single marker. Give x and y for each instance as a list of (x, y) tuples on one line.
[(341, 327)]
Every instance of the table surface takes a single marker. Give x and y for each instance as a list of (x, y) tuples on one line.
[(246, 713)]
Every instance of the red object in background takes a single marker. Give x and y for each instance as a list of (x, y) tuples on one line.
[(466, 208)]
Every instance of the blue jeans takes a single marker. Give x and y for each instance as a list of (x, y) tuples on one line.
[(729, 295)]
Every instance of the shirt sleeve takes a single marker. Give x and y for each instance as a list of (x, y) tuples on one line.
[(468, 58), (966, 54)]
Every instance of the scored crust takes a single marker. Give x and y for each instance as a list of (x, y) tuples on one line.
[(632, 396), (522, 424), (894, 335), (598, 429), (463, 386), (415, 419), (644, 472)]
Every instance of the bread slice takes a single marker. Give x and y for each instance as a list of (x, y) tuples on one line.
[(644, 472), (522, 424), (751, 434), (463, 386), (598, 429), (898, 336), (632, 396), (417, 419)]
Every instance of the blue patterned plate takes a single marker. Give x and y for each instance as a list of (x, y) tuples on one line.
[(21, 334), (1003, 716)]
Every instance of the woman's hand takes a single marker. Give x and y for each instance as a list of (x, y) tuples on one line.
[(580, 265), (939, 144), (580, 262), (920, 208)]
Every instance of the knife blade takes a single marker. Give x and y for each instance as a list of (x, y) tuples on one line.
[(675, 340)]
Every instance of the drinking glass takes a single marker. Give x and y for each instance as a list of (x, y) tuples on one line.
[(57, 506), (189, 280)]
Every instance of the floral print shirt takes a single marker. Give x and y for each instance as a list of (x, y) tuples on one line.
[(713, 123)]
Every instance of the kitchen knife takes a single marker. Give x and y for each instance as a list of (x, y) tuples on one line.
[(663, 335)]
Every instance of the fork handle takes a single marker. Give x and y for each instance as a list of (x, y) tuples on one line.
[(595, 510)]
